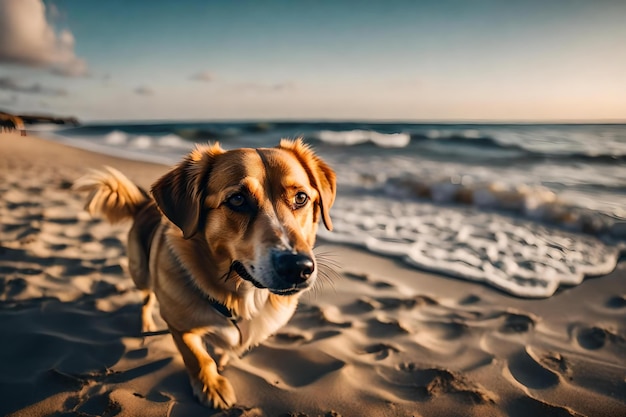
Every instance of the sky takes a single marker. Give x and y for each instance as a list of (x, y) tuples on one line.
[(463, 60)]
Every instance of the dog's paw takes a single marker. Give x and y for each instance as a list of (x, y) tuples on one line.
[(214, 392)]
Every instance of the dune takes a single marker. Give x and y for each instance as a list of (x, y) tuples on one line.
[(376, 339)]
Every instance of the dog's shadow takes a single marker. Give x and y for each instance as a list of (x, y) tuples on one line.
[(70, 352)]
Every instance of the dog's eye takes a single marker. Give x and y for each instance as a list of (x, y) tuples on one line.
[(236, 201), (300, 199)]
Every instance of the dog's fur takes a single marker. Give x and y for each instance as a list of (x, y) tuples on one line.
[(225, 244)]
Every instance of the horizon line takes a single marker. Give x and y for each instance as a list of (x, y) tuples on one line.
[(369, 120)]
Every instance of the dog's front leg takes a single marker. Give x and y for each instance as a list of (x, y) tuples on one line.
[(208, 385), (147, 322)]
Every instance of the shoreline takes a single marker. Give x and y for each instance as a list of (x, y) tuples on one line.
[(383, 339)]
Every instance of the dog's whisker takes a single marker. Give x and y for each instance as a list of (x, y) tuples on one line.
[(228, 274), (329, 268), (327, 275), (327, 252), (327, 259)]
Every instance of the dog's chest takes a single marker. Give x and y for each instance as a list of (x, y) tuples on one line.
[(253, 328)]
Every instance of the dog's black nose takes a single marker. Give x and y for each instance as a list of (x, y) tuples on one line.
[(294, 267)]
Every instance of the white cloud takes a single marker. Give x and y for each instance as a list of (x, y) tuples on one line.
[(203, 76), (8, 84), (266, 88), (27, 38), (144, 91)]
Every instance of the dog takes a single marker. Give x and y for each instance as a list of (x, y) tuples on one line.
[(225, 244)]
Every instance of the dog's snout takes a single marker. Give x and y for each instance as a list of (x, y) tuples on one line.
[(294, 267)]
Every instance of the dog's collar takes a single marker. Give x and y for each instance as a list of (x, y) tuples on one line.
[(221, 308), (217, 306)]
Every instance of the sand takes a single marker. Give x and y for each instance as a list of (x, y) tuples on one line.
[(377, 339)]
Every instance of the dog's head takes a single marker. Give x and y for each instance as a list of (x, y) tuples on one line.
[(257, 210)]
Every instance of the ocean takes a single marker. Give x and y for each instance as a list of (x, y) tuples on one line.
[(526, 208)]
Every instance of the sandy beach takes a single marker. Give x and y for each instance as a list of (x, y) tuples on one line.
[(380, 339)]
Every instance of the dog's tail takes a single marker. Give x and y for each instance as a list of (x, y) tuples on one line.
[(112, 195)]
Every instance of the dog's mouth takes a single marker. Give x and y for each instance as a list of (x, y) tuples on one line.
[(243, 273), (241, 270), (286, 291)]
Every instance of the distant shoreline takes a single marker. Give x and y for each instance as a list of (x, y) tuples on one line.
[(33, 119)]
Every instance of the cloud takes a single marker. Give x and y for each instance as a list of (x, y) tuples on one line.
[(9, 101), (144, 91), (205, 76), (266, 88), (28, 39), (283, 86), (8, 84)]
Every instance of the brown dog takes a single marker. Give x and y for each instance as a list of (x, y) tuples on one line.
[(225, 245)]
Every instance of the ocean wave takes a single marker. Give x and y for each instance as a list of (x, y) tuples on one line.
[(358, 137), (505, 144), (535, 203), (468, 137), (473, 138), (603, 158), (448, 140)]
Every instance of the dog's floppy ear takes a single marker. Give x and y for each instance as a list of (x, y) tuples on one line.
[(180, 193), (322, 177)]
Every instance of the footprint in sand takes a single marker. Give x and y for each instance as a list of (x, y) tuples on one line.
[(381, 350), (517, 323), (429, 383), (356, 277), (393, 303), (617, 302), (526, 369), (595, 337), (552, 360), (366, 278), (385, 327), (362, 305), (326, 316), (367, 304), (446, 330), (470, 299), (293, 338), (279, 363), (325, 334)]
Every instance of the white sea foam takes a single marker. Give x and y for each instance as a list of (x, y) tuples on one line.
[(517, 256), (141, 142), (174, 141), (356, 137), (116, 138)]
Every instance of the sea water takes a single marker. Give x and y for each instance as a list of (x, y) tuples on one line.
[(526, 208)]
